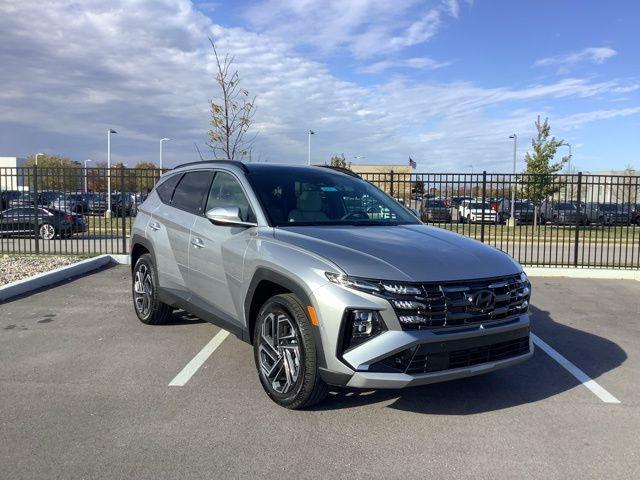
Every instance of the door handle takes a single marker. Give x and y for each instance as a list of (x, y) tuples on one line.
[(197, 242), (154, 226)]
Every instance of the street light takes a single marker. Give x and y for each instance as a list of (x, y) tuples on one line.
[(512, 220), (85, 174), (359, 157), (109, 132), (37, 155), (569, 158), (162, 140), (309, 133)]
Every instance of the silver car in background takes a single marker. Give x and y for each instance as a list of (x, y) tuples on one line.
[(330, 279)]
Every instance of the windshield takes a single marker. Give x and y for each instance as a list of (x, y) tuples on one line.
[(435, 204), (523, 206), (313, 197), (479, 206), (608, 208)]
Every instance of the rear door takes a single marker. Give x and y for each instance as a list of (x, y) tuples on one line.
[(170, 227), (217, 251)]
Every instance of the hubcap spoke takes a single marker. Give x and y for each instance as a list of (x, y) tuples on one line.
[(279, 352), (143, 290)]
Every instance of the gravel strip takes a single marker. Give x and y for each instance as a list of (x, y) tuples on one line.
[(14, 268)]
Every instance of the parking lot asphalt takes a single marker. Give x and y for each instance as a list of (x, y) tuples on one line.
[(84, 393)]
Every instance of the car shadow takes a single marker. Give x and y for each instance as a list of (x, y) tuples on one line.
[(532, 381), (180, 317)]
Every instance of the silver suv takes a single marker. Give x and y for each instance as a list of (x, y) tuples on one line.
[(331, 280)]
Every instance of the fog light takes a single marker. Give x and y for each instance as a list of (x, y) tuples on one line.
[(361, 325)]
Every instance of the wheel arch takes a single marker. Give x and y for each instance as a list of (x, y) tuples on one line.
[(267, 283), (140, 246)]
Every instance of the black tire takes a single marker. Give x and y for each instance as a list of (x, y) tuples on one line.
[(309, 388), (151, 310)]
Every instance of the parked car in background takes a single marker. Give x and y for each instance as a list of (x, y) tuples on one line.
[(473, 211), (563, 213), (456, 201), (608, 213), (634, 214), (433, 210), (523, 211), (50, 222), (70, 202)]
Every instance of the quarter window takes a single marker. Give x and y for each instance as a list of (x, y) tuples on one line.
[(166, 188)]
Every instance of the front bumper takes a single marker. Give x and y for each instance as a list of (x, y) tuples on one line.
[(360, 366)]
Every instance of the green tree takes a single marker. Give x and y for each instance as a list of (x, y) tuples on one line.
[(339, 161), (231, 113), (56, 172), (143, 177), (540, 183)]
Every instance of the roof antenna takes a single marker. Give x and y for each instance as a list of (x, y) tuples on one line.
[(198, 150)]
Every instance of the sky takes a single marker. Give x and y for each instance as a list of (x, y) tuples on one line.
[(445, 82)]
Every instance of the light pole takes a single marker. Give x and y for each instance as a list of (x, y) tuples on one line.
[(162, 140), (569, 158), (37, 155), (109, 132), (309, 133), (359, 157), (85, 175), (512, 219)]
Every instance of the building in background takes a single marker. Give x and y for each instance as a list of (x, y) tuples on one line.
[(11, 175)]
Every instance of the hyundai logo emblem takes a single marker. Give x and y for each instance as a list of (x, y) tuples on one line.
[(482, 300)]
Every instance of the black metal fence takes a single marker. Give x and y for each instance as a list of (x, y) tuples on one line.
[(577, 220), (563, 220)]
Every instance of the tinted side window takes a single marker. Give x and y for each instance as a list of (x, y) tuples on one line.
[(227, 192), (165, 189), (191, 190)]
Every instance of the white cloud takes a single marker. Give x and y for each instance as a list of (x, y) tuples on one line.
[(418, 63), (145, 69), (364, 28), (595, 55)]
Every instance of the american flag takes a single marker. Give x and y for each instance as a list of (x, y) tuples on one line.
[(412, 164)]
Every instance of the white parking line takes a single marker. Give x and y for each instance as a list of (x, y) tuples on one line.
[(196, 362), (582, 377)]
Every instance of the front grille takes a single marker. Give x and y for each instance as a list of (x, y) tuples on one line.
[(434, 362), (456, 304)]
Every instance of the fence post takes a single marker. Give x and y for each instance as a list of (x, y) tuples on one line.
[(579, 208), (36, 226), (391, 188), (484, 199), (123, 212)]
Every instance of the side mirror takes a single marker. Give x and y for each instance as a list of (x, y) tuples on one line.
[(227, 216)]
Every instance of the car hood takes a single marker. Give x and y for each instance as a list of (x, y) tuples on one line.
[(417, 253)]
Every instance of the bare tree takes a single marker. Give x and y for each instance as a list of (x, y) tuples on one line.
[(231, 114)]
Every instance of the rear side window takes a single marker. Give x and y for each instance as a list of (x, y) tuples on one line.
[(190, 192), (166, 188)]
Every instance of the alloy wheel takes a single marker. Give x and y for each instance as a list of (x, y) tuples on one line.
[(142, 290), (279, 352), (47, 231)]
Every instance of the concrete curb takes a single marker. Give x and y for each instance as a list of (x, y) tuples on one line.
[(588, 273), (64, 273), (45, 279)]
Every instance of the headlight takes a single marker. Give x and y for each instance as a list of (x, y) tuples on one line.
[(379, 287)]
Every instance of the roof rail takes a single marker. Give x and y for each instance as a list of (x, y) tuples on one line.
[(234, 163), (346, 171)]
